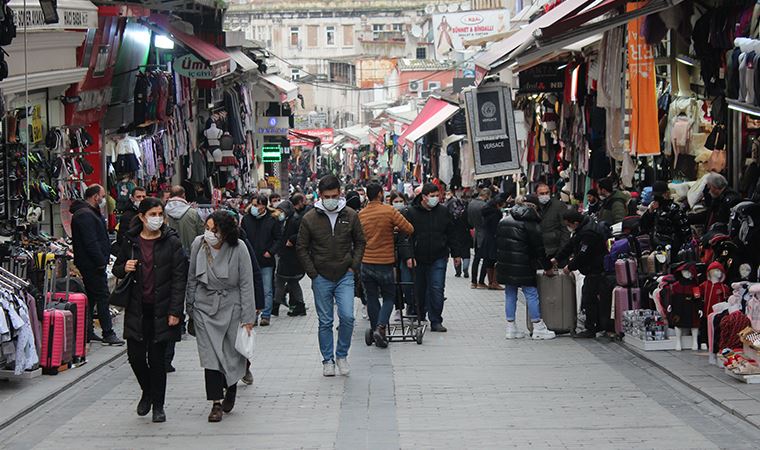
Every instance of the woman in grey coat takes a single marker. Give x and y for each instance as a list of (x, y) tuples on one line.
[(220, 300)]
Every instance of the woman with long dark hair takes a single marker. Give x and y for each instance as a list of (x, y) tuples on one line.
[(220, 300), (153, 252)]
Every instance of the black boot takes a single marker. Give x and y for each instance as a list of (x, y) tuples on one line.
[(143, 406), (159, 416), (229, 399), (299, 309), (379, 335)]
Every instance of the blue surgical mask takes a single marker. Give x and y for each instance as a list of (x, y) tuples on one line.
[(282, 217), (254, 211), (432, 201)]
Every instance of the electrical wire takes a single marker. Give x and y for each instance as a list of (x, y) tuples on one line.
[(346, 88)]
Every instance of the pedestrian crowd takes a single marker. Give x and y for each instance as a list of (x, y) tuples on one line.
[(213, 275)]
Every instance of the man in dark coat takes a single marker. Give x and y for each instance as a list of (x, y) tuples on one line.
[(520, 252), (475, 220), (434, 239), (665, 221), (550, 209), (289, 270), (137, 195), (265, 234), (720, 200), (92, 250)]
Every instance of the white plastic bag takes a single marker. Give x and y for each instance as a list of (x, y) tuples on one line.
[(245, 344)]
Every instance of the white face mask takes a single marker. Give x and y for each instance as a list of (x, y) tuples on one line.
[(398, 205), (102, 203), (276, 203), (544, 199), (154, 223), (432, 201), (211, 238), (716, 276), (686, 274), (330, 204), (362, 198), (603, 196)]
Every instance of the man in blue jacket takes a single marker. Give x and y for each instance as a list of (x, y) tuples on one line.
[(92, 250)]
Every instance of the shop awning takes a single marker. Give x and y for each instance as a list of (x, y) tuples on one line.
[(288, 89), (217, 59), (244, 63), (433, 114)]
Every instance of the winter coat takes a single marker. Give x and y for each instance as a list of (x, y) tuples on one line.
[(475, 219), (219, 299), (289, 265), (714, 293), (520, 247), (185, 220), (491, 217), (327, 251), (434, 234), (170, 280), (92, 248), (614, 208), (462, 231), (125, 222), (719, 209), (667, 225), (554, 231), (588, 247), (684, 299), (265, 234), (258, 281)]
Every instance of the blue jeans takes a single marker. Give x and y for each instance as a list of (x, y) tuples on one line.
[(267, 279), (376, 279), (431, 281), (531, 295), (326, 294)]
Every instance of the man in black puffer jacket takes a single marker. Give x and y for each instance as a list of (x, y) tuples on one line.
[(434, 239), (520, 252)]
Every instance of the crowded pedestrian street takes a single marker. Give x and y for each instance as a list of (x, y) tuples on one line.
[(467, 388)]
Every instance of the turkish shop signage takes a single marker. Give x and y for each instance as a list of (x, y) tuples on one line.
[(69, 18), (191, 66), (545, 77), (491, 130), (272, 126)]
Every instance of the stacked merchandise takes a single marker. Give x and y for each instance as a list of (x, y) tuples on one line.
[(645, 324)]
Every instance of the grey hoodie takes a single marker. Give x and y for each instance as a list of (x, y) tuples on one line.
[(185, 220)]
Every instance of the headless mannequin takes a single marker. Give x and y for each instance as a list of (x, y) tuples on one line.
[(685, 305), (212, 135)]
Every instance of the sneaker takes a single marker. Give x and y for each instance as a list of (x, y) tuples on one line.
[(364, 312), (159, 416), (328, 369), (379, 335), (247, 378), (95, 338), (112, 340), (264, 322), (540, 331), (513, 332), (343, 367)]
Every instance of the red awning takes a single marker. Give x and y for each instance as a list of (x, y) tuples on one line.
[(217, 59), (433, 114)]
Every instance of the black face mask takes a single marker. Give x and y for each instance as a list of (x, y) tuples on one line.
[(659, 198)]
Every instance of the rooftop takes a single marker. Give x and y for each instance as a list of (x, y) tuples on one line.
[(406, 64), (316, 5)]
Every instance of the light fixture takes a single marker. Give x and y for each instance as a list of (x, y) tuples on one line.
[(744, 109), (49, 11), (687, 60), (562, 66), (163, 41)]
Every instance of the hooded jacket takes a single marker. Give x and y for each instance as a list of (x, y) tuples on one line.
[(265, 234), (330, 250), (92, 248), (289, 265), (434, 235), (588, 247), (185, 220), (614, 208), (520, 247), (714, 293), (170, 280), (684, 298), (555, 234), (125, 222)]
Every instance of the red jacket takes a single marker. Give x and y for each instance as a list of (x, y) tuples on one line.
[(713, 293)]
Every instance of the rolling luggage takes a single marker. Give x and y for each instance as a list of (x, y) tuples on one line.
[(626, 272), (624, 299), (557, 302), (80, 322), (57, 340)]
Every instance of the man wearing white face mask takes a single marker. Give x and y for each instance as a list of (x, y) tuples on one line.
[(550, 210), (183, 218), (92, 250)]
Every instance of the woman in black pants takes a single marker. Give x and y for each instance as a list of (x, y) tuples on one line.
[(153, 252)]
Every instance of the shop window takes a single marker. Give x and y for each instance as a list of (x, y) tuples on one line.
[(295, 36), (330, 35), (421, 53), (348, 35)]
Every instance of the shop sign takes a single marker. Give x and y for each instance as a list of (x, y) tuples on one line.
[(272, 126), (491, 130), (545, 77), (191, 66), (68, 18), (451, 30), (271, 152), (326, 137)]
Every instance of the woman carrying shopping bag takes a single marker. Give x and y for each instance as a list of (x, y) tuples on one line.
[(153, 262), (220, 300)]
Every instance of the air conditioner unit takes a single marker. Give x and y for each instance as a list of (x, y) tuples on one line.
[(424, 94), (415, 86), (434, 85)]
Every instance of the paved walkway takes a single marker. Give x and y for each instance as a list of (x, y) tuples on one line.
[(468, 388)]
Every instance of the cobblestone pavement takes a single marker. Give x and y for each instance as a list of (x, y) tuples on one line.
[(468, 388)]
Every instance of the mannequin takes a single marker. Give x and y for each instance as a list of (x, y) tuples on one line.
[(685, 304), (213, 134)]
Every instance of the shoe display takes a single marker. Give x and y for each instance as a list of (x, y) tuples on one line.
[(541, 332), (264, 322), (247, 378), (112, 340), (343, 367), (328, 369), (439, 328), (513, 332), (216, 413), (143, 406), (379, 335), (159, 416)]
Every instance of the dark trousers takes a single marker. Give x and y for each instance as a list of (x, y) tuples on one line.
[(96, 287), (594, 287), (431, 282), (488, 263), (379, 279), (283, 286), (148, 362), (216, 385)]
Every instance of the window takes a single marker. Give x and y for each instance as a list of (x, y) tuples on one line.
[(421, 53), (377, 30), (398, 27), (348, 35), (312, 36), (343, 73), (295, 38), (295, 74), (330, 35)]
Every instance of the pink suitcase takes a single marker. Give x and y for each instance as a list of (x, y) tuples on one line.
[(57, 340), (626, 272), (80, 349), (625, 298)]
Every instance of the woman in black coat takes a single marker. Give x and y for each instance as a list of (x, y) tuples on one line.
[(492, 214), (153, 253)]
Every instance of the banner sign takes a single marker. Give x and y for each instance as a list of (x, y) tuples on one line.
[(545, 77), (325, 135), (491, 130), (645, 132), (450, 30), (272, 126)]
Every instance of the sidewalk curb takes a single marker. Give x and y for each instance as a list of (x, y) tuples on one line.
[(23, 413), (717, 402)]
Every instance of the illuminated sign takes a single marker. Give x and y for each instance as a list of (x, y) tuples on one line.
[(271, 152)]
